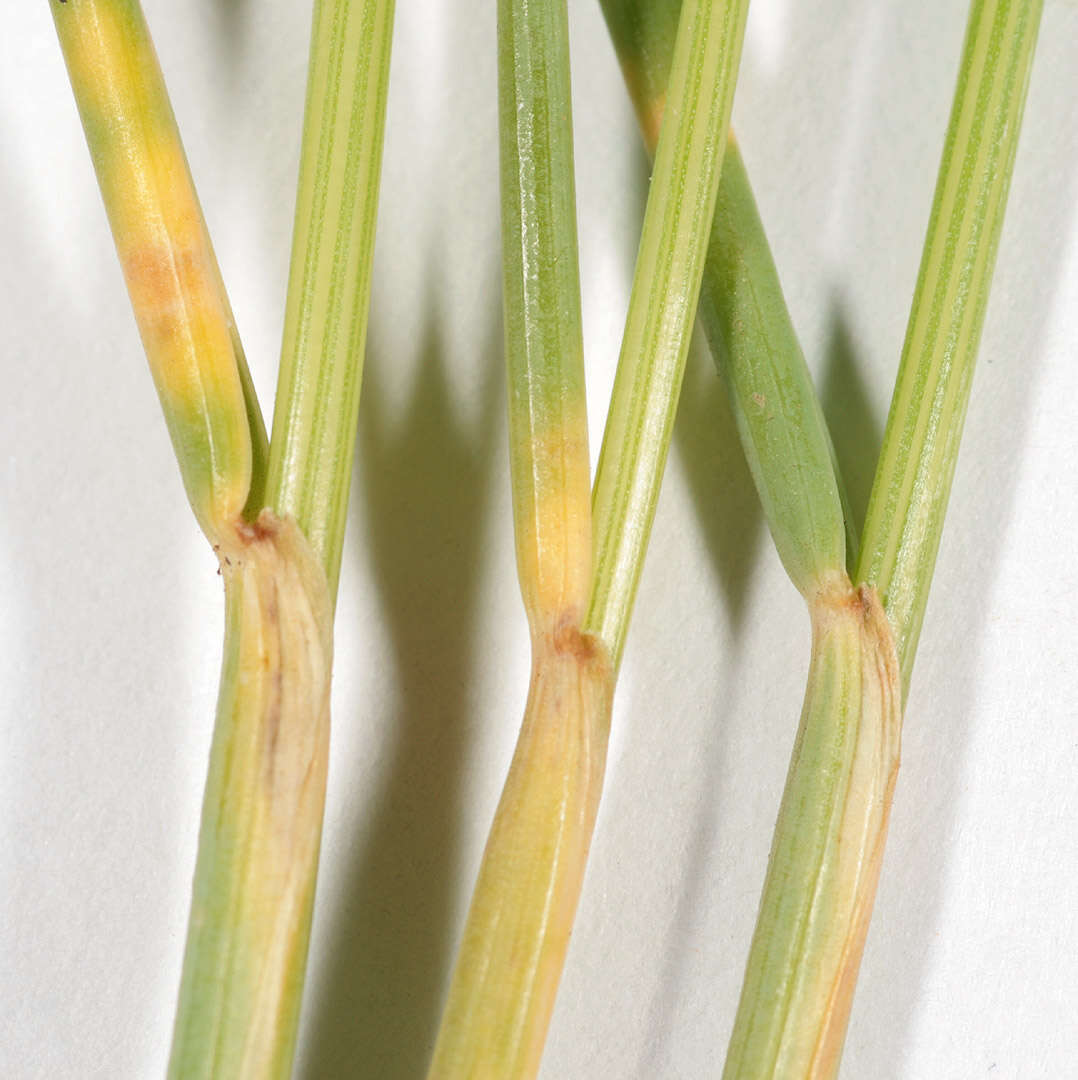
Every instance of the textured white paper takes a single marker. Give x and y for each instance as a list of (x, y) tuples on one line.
[(110, 610)]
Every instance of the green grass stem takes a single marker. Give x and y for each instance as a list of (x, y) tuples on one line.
[(662, 306), (825, 859), (821, 880), (329, 285), (920, 443), (747, 325)]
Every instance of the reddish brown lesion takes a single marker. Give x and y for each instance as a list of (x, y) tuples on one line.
[(835, 594), (563, 641), (237, 540), (570, 640), (264, 527)]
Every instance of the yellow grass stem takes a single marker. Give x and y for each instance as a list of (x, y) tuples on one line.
[(172, 276), (262, 813), (518, 927), (510, 959)]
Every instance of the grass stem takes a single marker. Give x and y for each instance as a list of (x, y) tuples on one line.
[(920, 443), (818, 895), (662, 306), (515, 939), (262, 814), (261, 823), (825, 859), (329, 285), (747, 325), (246, 952), (172, 276)]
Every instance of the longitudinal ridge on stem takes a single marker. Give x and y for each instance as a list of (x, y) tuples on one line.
[(329, 284), (246, 949), (805, 953), (662, 306), (517, 932)]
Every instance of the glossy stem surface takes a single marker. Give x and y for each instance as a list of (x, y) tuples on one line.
[(548, 431)]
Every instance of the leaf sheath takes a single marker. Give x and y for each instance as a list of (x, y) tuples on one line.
[(262, 813)]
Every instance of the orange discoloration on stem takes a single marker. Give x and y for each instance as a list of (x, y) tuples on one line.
[(650, 118), (173, 293), (183, 314), (570, 640)]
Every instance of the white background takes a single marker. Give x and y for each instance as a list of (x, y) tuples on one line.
[(110, 610)]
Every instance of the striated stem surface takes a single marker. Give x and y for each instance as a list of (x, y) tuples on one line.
[(747, 324), (662, 307), (329, 283), (912, 486), (262, 812), (829, 838)]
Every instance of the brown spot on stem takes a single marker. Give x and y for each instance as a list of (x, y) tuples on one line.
[(264, 528), (569, 640), (836, 594)]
